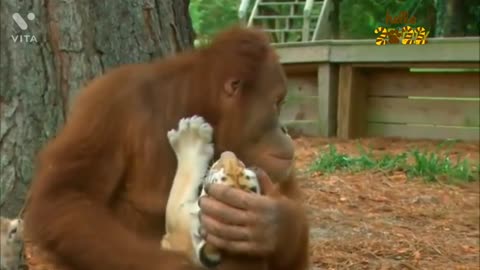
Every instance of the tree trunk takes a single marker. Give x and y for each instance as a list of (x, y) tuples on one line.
[(66, 44), (450, 18)]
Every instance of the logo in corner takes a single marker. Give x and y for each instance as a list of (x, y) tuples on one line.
[(23, 25), (406, 35)]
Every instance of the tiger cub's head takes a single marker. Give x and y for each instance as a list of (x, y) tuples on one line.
[(231, 171)]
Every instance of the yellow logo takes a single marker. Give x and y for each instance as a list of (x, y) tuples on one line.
[(406, 35)]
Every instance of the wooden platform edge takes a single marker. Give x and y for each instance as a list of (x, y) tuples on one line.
[(355, 51)]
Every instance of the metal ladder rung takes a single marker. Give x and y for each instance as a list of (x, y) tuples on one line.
[(269, 17), (283, 30), (280, 3), (286, 29), (291, 12)]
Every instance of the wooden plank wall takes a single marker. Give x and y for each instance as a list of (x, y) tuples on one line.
[(367, 90), (429, 105), (300, 110), (352, 93), (386, 101), (310, 107)]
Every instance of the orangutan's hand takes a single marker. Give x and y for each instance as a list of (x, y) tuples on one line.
[(246, 223)]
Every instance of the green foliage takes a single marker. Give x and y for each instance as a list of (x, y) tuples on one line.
[(211, 16), (331, 161), (358, 19), (429, 166), (472, 18)]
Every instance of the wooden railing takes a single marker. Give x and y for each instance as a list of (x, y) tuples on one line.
[(353, 88)]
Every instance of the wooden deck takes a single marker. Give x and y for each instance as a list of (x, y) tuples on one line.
[(353, 88)]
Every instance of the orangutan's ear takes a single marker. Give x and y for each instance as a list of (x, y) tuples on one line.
[(232, 87)]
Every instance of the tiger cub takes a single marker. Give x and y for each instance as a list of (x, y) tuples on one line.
[(192, 144), (11, 240), (227, 170)]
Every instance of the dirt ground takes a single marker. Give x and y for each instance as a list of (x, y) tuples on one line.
[(374, 220)]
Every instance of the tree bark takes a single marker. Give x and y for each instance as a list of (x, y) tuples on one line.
[(69, 43)]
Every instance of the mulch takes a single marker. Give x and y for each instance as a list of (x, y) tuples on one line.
[(378, 220)]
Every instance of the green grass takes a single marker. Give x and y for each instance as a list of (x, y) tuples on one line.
[(429, 166)]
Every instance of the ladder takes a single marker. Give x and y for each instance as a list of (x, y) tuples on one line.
[(289, 20)]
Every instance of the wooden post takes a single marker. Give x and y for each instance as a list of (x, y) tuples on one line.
[(352, 100), (327, 76)]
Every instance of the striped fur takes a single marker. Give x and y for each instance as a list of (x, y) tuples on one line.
[(11, 238)]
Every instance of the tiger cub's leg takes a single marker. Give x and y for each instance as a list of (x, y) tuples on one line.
[(192, 145), (227, 170)]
